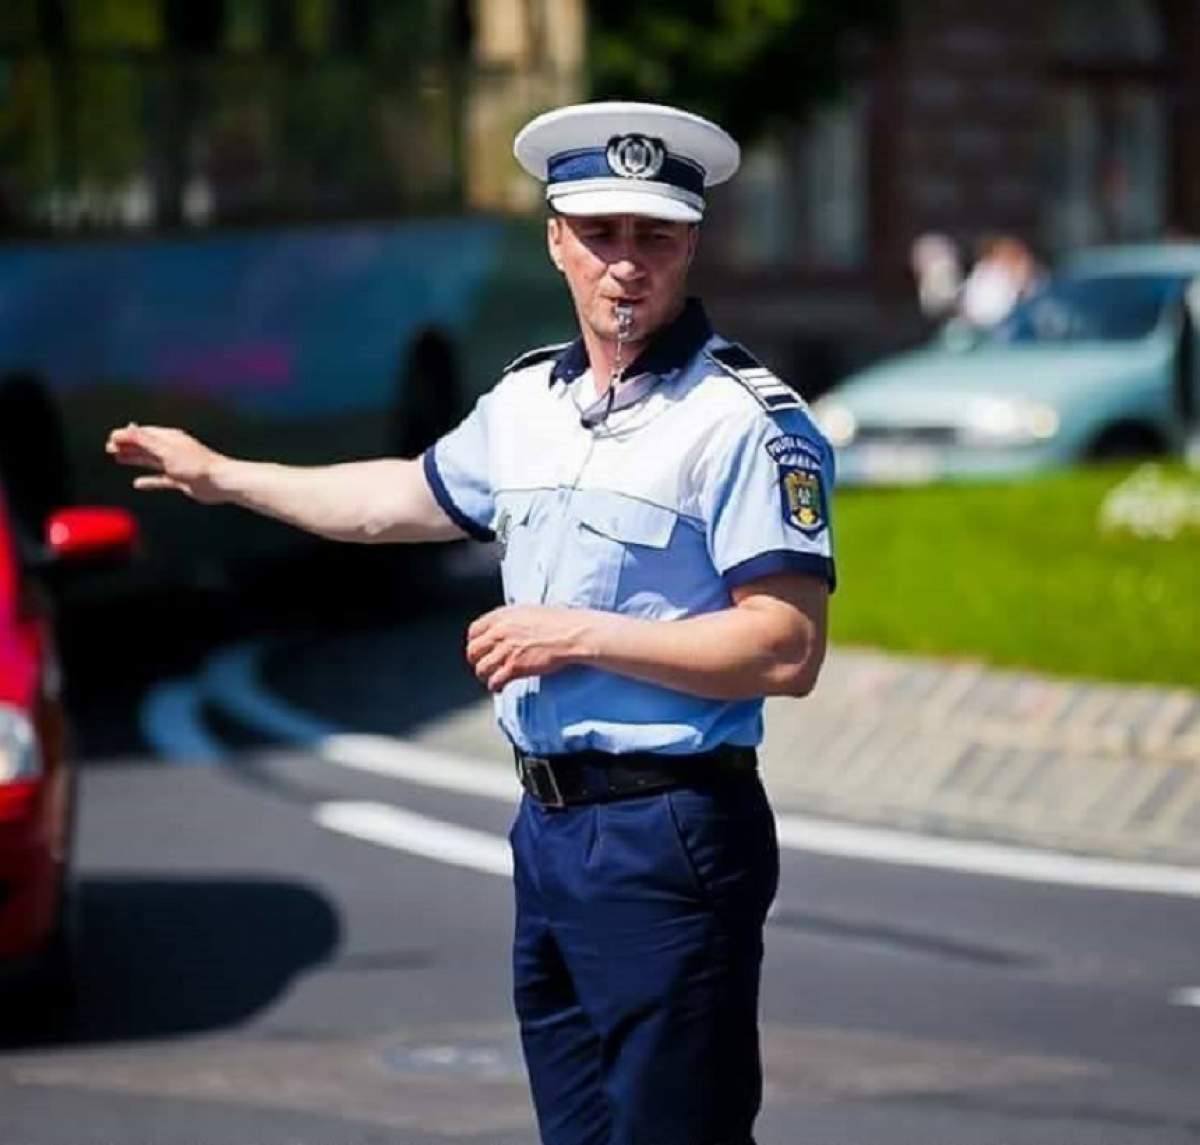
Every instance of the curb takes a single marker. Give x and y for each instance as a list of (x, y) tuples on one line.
[(953, 748)]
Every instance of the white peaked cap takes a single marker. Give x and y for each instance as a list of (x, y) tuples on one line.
[(626, 159)]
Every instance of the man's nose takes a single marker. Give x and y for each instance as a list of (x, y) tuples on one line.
[(627, 263)]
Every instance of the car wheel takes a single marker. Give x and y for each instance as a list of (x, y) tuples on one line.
[(1126, 443), (428, 400), (428, 404)]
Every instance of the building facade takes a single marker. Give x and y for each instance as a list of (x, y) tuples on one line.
[(1062, 122)]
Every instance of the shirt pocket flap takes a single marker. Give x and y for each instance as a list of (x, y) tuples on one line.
[(625, 519)]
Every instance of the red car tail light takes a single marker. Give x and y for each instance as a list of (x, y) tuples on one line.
[(80, 533), (17, 800)]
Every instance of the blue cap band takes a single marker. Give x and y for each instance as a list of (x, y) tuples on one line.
[(592, 163)]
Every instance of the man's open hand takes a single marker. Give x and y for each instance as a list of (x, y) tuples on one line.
[(177, 459), (525, 640)]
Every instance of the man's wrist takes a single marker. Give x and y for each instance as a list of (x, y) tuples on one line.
[(587, 640), (222, 476)]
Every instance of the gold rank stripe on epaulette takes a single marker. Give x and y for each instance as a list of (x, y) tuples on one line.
[(532, 357), (770, 393)]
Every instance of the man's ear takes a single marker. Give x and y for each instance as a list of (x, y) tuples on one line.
[(554, 241), (693, 241)]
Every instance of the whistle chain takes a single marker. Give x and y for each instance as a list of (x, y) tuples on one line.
[(624, 313)]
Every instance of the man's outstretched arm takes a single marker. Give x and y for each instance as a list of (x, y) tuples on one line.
[(364, 501)]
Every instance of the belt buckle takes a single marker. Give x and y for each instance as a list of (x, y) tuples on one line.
[(541, 775)]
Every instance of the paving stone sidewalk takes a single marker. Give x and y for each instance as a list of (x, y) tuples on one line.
[(961, 749), (918, 743)]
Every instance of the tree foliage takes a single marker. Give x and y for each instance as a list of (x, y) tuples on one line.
[(744, 63)]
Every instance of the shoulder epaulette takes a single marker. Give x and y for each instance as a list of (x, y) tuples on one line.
[(766, 389), (532, 357)]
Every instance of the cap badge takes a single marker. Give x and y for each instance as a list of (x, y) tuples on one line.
[(635, 156)]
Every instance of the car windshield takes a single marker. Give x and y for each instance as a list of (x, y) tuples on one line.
[(1115, 308)]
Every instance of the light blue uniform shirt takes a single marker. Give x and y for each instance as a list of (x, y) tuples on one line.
[(706, 474)]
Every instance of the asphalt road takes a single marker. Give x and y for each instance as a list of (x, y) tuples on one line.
[(252, 976)]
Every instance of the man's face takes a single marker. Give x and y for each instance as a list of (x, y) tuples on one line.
[(630, 259)]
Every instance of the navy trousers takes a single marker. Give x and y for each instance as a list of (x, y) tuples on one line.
[(636, 963)]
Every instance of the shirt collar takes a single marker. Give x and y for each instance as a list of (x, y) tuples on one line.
[(670, 348)]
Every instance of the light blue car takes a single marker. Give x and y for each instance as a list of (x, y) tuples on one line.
[(1099, 363)]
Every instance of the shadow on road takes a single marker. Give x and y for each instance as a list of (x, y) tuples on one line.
[(385, 679), (168, 956), (117, 646)]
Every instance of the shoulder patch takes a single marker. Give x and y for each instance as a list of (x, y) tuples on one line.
[(532, 357), (801, 485), (766, 389)]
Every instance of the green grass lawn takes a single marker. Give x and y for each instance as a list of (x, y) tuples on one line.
[(1019, 574)]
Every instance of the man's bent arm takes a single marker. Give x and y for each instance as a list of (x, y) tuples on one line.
[(771, 642)]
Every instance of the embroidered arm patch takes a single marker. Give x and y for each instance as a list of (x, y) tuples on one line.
[(770, 393), (802, 490)]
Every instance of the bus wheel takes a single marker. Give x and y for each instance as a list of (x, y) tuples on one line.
[(428, 401), (33, 457)]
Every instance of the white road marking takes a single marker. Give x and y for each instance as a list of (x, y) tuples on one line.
[(382, 755), (232, 679), (418, 835), (879, 844), (428, 768), (1188, 996), (171, 723)]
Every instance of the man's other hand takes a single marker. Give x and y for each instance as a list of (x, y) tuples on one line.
[(177, 460), (524, 640)]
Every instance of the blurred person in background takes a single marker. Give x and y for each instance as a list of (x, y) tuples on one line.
[(937, 270), (661, 500), (1004, 273)]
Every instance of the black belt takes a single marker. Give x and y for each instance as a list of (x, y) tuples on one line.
[(597, 776)]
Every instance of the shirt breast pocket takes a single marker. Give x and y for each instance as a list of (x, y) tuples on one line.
[(521, 565), (614, 536)]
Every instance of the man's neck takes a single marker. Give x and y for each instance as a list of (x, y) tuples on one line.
[(602, 357), (602, 352)]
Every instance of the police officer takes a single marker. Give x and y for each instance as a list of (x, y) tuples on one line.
[(661, 503)]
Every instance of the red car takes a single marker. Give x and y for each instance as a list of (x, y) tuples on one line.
[(37, 787)]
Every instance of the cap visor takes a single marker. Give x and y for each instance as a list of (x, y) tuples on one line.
[(647, 203)]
